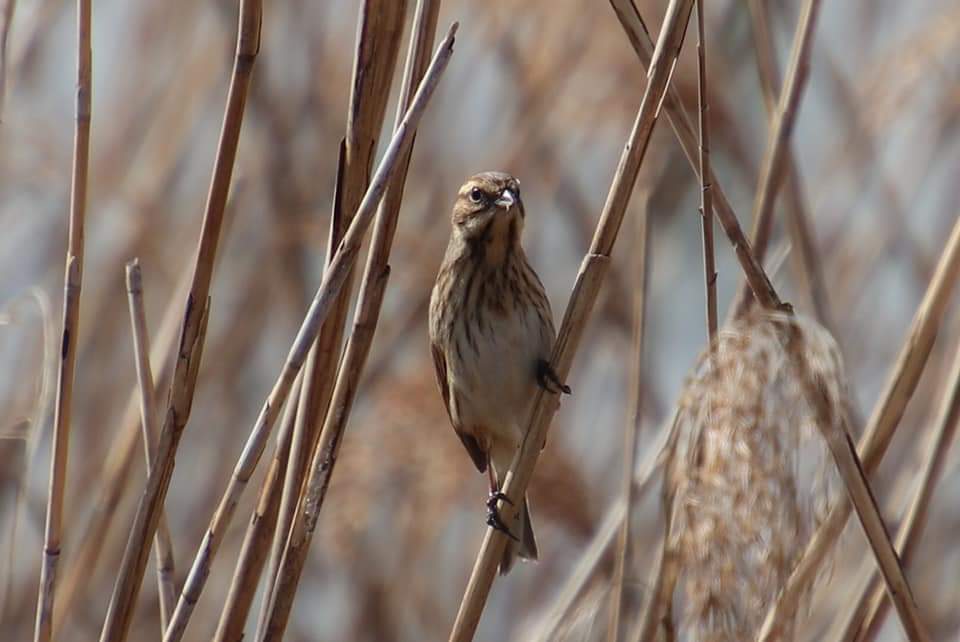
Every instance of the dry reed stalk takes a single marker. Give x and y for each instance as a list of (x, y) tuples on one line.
[(366, 316), (798, 219), (586, 569), (321, 467), (706, 192), (73, 279), (537, 101), (745, 485), (624, 557), (256, 542), (606, 534), (148, 421), (378, 43), (663, 574), (323, 303), (831, 419), (307, 425), (781, 129), (644, 620), (639, 38), (883, 423), (657, 611), (865, 619), (189, 351), (7, 8), (582, 300), (116, 467)]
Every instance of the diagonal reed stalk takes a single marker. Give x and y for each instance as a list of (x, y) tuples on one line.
[(373, 287), (308, 403), (866, 617), (642, 44), (73, 280), (256, 541), (798, 218), (663, 576), (148, 420), (334, 280), (295, 552), (189, 351), (377, 48), (587, 567), (883, 423), (624, 557), (775, 157), (706, 189), (836, 432), (582, 300)]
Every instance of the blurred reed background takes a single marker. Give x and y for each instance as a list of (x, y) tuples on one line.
[(546, 90)]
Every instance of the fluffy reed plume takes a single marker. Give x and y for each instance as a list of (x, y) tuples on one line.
[(749, 477)]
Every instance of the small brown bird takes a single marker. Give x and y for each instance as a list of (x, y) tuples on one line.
[(491, 333)]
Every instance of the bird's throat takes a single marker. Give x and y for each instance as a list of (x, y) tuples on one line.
[(499, 239)]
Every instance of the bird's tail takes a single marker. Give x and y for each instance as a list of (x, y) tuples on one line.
[(526, 546)]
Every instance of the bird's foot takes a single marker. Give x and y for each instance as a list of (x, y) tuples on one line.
[(493, 514), (548, 379)]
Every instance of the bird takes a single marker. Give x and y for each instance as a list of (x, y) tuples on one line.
[(491, 335)]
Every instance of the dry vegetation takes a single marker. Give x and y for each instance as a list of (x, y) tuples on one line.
[(834, 126)]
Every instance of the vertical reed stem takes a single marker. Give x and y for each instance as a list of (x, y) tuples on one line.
[(73, 281)]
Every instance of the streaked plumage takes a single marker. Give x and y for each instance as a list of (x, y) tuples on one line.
[(490, 329)]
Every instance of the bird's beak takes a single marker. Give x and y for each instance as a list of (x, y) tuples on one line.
[(507, 199)]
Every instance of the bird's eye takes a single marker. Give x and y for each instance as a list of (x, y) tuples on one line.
[(476, 195)]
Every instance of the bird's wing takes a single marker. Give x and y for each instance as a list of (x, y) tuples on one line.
[(470, 442)]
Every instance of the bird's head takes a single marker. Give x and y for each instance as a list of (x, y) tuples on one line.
[(489, 207)]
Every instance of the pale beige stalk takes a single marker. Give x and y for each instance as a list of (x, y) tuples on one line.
[(73, 280), (260, 530), (148, 420), (587, 566), (798, 218), (781, 130), (872, 605)]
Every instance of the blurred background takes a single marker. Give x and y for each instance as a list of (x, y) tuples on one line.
[(546, 90)]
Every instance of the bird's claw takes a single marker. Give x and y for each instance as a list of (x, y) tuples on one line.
[(493, 514), (496, 496), (548, 379)]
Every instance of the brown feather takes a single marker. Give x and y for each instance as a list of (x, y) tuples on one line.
[(477, 454)]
